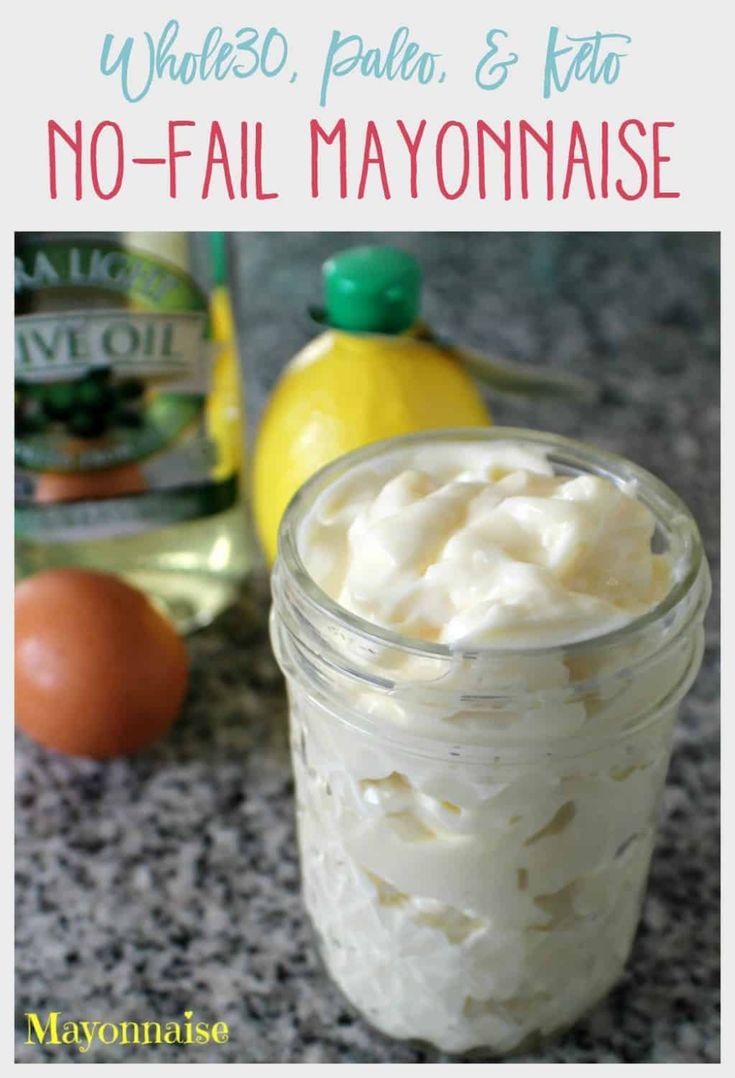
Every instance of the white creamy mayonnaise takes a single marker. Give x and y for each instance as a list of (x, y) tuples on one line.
[(477, 901), (473, 544)]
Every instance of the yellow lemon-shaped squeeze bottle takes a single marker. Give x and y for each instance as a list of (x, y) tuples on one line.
[(367, 377)]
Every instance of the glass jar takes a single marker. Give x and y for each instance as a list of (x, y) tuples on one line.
[(476, 826)]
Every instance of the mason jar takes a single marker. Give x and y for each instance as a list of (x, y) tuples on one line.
[(476, 824)]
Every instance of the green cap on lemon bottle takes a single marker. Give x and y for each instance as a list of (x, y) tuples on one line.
[(372, 290)]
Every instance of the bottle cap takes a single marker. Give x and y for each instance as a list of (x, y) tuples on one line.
[(372, 290)]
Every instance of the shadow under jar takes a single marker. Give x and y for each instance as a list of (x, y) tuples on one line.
[(476, 825)]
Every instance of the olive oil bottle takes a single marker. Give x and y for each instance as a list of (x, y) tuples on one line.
[(128, 413)]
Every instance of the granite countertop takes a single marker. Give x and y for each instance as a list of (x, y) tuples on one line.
[(169, 882)]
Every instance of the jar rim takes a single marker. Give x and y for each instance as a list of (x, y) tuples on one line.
[(667, 507)]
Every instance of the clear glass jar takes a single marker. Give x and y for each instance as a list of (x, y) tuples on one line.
[(476, 826)]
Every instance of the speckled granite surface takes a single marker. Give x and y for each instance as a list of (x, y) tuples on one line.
[(168, 882)]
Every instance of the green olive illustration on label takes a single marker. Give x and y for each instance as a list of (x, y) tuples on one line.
[(97, 421)]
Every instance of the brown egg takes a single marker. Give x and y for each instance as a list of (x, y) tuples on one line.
[(98, 670), (101, 483)]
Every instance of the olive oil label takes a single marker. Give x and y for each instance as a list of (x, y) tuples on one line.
[(51, 347), (123, 414)]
